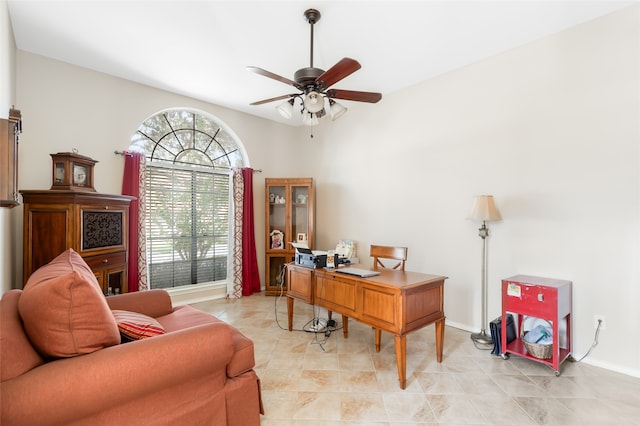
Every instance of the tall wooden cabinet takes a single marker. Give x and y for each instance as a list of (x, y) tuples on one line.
[(290, 217), (94, 225)]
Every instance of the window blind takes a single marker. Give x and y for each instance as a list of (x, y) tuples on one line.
[(187, 225)]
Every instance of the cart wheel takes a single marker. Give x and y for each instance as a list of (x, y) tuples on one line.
[(557, 373), (504, 356)]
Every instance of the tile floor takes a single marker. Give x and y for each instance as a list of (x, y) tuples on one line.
[(309, 380)]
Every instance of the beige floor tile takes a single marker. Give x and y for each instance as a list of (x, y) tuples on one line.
[(501, 410), (311, 380), (321, 361), (318, 406), (318, 381), (439, 384), (408, 407), (358, 381), (359, 361), (362, 407), (455, 409), (278, 405), (547, 411), (590, 411), (519, 386)]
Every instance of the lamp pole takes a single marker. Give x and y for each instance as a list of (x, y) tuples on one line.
[(485, 210), (482, 337)]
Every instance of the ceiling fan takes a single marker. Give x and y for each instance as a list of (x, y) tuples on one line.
[(315, 84)]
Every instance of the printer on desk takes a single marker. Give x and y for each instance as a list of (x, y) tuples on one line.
[(306, 258)]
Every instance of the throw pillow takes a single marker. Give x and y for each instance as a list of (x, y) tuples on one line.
[(64, 311), (136, 326)]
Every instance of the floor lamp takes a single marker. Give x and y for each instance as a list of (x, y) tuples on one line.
[(484, 210)]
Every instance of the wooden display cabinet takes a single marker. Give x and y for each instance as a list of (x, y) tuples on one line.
[(290, 216), (94, 225), (9, 134)]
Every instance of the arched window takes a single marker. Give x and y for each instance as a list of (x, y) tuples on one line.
[(189, 155)]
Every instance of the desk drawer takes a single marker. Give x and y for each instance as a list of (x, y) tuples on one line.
[(336, 294), (106, 260), (300, 283), (530, 299), (380, 307)]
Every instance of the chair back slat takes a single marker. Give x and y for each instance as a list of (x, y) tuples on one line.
[(388, 252)]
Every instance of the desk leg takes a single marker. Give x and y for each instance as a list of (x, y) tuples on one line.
[(401, 358), (439, 339), (290, 312), (378, 338), (345, 326)]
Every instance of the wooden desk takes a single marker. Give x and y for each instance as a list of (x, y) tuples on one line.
[(395, 301)]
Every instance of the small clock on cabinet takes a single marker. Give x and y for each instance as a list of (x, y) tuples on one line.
[(72, 171)]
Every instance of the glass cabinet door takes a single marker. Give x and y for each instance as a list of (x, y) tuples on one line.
[(300, 214), (277, 218)]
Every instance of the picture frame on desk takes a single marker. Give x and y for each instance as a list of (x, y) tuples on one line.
[(331, 256), (302, 237)]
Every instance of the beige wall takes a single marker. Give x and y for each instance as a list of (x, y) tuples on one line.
[(550, 129)]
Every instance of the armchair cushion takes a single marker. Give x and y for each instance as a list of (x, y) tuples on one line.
[(136, 326), (18, 355), (64, 311)]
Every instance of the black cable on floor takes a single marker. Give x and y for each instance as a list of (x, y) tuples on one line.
[(325, 331)]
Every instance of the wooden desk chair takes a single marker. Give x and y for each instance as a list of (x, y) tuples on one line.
[(387, 253)]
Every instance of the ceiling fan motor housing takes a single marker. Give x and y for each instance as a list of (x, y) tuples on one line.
[(306, 77)]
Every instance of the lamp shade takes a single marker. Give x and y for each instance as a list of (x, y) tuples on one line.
[(484, 209), (336, 109), (286, 109), (313, 102)]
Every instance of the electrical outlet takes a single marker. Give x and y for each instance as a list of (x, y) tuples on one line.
[(603, 325)]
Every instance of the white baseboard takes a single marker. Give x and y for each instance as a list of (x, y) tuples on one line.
[(187, 295)]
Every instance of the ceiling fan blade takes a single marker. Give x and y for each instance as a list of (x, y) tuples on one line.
[(344, 68), (269, 74), (277, 98), (352, 95)]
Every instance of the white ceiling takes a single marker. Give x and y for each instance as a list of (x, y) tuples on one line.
[(201, 48)]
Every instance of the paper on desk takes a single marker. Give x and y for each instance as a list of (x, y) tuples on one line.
[(306, 246)]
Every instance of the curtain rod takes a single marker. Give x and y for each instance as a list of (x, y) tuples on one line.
[(126, 153)]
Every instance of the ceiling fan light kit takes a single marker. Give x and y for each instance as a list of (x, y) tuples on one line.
[(310, 119), (286, 109), (336, 109), (313, 102), (314, 83)]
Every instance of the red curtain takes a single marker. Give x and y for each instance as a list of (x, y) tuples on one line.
[(250, 276), (131, 186)]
